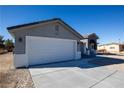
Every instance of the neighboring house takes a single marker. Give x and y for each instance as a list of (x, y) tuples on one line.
[(45, 42), (113, 48), (89, 45)]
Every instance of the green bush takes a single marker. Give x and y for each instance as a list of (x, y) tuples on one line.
[(9, 45)]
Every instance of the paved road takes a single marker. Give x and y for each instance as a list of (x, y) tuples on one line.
[(110, 61), (79, 73)]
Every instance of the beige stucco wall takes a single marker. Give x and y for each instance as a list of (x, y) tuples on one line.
[(45, 30)]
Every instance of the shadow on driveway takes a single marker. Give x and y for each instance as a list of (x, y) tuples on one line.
[(104, 61), (83, 63)]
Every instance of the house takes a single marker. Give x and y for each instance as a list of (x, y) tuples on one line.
[(89, 45), (45, 42), (112, 48)]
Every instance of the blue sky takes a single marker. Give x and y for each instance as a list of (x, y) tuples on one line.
[(106, 21)]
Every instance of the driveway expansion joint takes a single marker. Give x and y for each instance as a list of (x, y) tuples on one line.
[(48, 72), (104, 79)]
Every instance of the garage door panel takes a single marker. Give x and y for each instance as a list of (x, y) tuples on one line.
[(45, 50)]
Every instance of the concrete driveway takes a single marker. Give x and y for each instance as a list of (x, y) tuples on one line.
[(74, 74)]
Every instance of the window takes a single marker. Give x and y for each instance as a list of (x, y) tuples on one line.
[(123, 46), (112, 47), (56, 29)]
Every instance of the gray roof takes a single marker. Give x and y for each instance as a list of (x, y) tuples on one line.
[(88, 35)]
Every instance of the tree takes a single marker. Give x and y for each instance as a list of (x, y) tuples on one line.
[(9, 45), (2, 46), (2, 42)]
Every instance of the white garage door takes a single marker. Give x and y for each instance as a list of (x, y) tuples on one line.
[(46, 50)]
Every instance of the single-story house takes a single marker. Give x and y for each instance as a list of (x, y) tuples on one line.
[(112, 48), (45, 42), (89, 45)]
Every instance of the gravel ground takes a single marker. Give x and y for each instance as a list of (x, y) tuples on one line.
[(11, 77)]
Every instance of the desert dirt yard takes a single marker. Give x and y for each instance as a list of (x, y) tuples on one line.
[(11, 77)]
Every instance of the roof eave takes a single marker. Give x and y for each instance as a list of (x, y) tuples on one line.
[(12, 28)]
